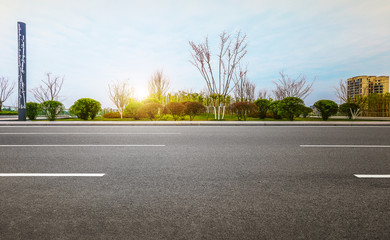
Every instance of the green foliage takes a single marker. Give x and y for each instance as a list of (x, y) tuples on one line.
[(242, 109), (8, 112), (274, 109), (306, 111), (151, 100), (290, 106), (193, 109), (112, 115), (32, 109), (51, 109), (326, 108), (151, 110), (346, 108), (85, 108), (377, 105), (263, 106), (175, 109), (132, 108)]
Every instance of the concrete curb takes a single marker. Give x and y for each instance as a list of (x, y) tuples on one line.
[(194, 123)]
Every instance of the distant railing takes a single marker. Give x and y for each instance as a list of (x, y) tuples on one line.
[(9, 108)]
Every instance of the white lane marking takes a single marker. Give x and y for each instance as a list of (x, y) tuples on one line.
[(345, 146), (52, 174), (85, 133), (372, 175), (57, 145)]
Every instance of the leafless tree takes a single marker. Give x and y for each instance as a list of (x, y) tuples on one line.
[(158, 85), (341, 91), (6, 89), (263, 94), (240, 78), (250, 88), (288, 87), (120, 93), (244, 90), (218, 79), (50, 89)]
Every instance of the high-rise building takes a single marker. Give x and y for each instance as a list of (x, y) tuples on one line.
[(364, 85)]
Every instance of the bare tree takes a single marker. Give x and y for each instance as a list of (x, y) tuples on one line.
[(50, 89), (240, 79), (218, 79), (341, 91), (287, 87), (6, 89), (244, 90), (158, 85), (120, 93), (250, 89), (263, 94)]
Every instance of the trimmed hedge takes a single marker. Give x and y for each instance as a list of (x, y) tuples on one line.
[(326, 108), (8, 112), (51, 109), (193, 109), (33, 109), (85, 108)]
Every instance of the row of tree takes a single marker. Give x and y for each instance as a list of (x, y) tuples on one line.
[(366, 104), (226, 83)]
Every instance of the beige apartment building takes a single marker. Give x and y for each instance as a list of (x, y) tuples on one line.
[(364, 85)]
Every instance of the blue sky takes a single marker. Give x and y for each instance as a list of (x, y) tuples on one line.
[(93, 43)]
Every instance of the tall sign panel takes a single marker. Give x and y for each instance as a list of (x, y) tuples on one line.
[(22, 71)]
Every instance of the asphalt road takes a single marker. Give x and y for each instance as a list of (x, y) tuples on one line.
[(195, 183)]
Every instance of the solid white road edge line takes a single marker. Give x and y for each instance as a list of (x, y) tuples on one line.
[(346, 146), (372, 175), (52, 174), (67, 133), (42, 145)]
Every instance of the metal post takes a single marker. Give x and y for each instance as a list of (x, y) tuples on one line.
[(22, 71)]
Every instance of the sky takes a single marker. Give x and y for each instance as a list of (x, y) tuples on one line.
[(96, 42)]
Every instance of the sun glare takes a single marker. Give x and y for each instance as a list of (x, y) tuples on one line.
[(140, 93)]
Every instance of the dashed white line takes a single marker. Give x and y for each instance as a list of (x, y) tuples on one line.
[(52, 174), (79, 145), (372, 175), (345, 146), (86, 133)]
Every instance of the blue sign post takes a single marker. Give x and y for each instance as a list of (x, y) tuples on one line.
[(22, 71)]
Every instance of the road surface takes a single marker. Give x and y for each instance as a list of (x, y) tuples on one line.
[(193, 182)]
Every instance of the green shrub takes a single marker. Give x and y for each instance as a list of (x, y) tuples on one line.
[(175, 109), (132, 108), (263, 105), (140, 114), (346, 108), (306, 111), (193, 109), (51, 109), (112, 115), (290, 107), (85, 108), (326, 108), (3, 112), (151, 110), (242, 109), (32, 109), (274, 109), (151, 100)]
